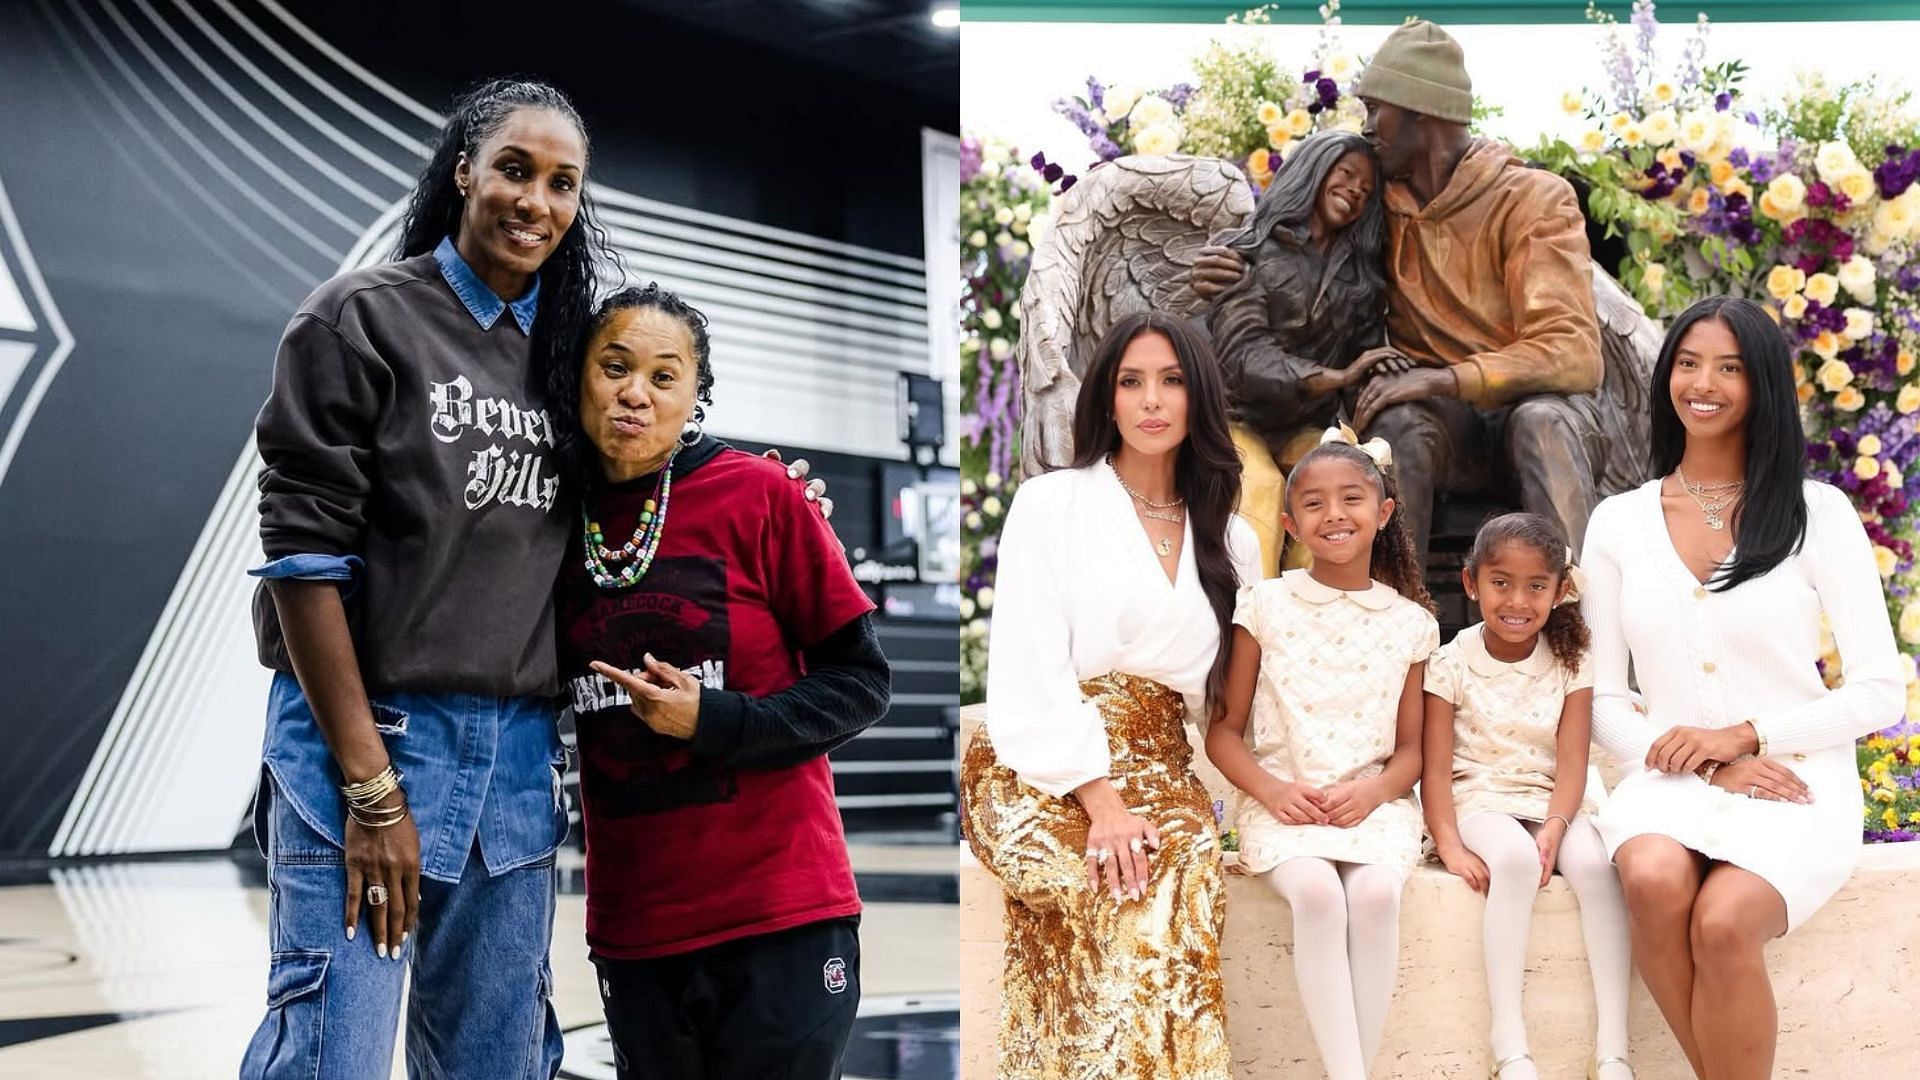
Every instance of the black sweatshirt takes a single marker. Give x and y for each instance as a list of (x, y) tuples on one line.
[(400, 432)]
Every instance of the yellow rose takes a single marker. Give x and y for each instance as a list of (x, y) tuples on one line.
[(1859, 324), (1783, 281), (1910, 623), (1788, 192), (1737, 186), (1660, 129), (1834, 160), (1260, 166), (1720, 172), (1299, 122), (1849, 400), (1834, 376), (1654, 277), (1571, 103), (1339, 66), (1826, 346), (1892, 474), (1664, 92), (1856, 276), (1908, 402), (1866, 468), (1279, 137), (1618, 122), (1903, 362), (1697, 204), (1857, 186), (1157, 139), (1868, 446), (1632, 135), (1270, 114), (1804, 392), (1668, 157), (1823, 287), (1592, 141), (1794, 306)]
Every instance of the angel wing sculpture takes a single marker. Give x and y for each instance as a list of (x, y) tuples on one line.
[(1123, 240), (1629, 343)]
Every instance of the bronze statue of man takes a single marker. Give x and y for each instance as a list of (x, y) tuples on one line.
[(1496, 353)]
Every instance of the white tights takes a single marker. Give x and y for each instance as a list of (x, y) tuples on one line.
[(1346, 948), (1508, 848)]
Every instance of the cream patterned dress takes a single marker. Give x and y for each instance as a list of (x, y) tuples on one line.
[(1506, 721), (1325, 709)]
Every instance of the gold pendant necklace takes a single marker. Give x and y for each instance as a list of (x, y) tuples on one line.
[(1148, 508), (1711, 498), (1166, 547)]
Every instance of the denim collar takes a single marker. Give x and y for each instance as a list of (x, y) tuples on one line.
[(481, 302)]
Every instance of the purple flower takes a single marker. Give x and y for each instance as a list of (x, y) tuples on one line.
[(1329, 92), (969, 160), (1737, 157), (1096, 94), (1722, 101), (1177, 96), (1105, 147), (1761, 169), (1311, 76)]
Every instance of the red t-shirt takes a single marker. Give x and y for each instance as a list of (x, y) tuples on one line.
[(683, 852)]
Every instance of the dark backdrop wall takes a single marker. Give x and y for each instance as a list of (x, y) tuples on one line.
[(174, 178)]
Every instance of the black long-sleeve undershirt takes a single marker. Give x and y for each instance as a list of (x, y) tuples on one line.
[(845, 690)]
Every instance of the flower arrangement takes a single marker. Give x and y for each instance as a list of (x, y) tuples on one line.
[(1003, 214), (1890, 779), (1245, 105)]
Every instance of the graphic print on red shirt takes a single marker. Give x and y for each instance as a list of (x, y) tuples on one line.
[(683, 852)]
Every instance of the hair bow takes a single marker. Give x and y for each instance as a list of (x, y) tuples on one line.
[(1576, 582), (1375, 448)]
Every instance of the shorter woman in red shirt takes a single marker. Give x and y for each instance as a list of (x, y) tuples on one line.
[(716, 646)]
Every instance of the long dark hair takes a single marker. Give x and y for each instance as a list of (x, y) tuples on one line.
[(1566, 632), (1770, 522), (1206, 470), (568, 280), (1393, 562), (576, 452), (1356, 263)]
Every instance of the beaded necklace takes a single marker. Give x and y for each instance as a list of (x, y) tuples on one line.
[(623, 567)]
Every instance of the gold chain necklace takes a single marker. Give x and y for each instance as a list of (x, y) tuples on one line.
[(1151, 509), (1711, 498)]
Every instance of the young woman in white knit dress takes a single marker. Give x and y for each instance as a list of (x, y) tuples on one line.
[(1328, 662), (1742, 814), (1509, 718)]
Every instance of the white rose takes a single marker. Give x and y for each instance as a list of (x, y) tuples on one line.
[(999, 349), (1150, 110), (966, 608), (991, 320), (996, 152), (977, 238), (968, 487), (1789, 194), (990, 169), (985, 597), (1859, 323), (1120, 99), (1003, 216), (1834, 161), (992, 506), (1339, 66), (1003, 238), (1696, 132), (1157, 139), (973, 521), (1023, 212), (1021, 250), (992, 480), (1660, 128), (1592, 141), (1037, 229), (1857, 277), (978, 628)]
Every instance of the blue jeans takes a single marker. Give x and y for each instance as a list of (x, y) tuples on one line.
[(481, 979)]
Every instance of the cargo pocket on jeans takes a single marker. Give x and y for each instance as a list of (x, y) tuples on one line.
[(288, 1042)]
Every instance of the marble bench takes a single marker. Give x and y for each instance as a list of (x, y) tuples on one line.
[(1848, 982)]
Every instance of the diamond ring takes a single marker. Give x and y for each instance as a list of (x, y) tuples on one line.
[(376, 895)]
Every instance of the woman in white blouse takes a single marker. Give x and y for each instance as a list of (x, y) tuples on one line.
[(1116, 582), (1741, 814)]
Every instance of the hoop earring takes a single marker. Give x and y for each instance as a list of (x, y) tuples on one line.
[(691, 433)]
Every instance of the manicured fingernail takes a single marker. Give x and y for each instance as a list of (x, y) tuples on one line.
[(349, 933), (404, 934), (382, 950), (793, 473)]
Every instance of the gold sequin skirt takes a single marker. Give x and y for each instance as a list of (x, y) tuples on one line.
[(1097, 989)]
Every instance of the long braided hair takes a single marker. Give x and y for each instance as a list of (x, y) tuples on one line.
[(568, 279)]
